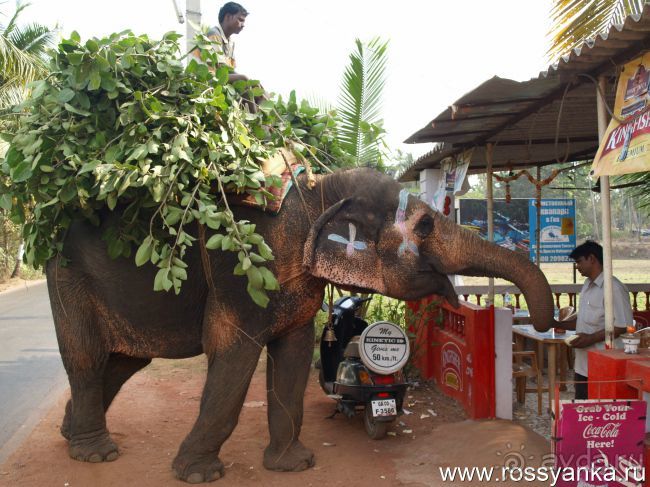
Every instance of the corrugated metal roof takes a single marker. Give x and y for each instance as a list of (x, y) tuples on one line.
[(524, 119)]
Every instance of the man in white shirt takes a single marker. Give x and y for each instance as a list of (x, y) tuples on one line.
[(590, 322)]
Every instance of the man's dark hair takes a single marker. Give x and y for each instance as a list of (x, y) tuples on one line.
[(231, 8), (586, 249)]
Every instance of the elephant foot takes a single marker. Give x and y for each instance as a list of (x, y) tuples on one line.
[(94, 449), (66, 428), (196, 470), (295, 458)]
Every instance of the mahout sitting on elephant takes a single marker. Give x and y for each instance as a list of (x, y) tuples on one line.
[(110, 323)]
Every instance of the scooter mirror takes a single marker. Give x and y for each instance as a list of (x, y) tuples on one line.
[(324, 307)]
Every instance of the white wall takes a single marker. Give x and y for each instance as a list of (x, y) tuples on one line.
[(503, 362)]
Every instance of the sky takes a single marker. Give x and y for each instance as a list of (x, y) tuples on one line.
[(438, 50)]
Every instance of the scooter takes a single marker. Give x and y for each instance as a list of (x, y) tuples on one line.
[(361, 366)]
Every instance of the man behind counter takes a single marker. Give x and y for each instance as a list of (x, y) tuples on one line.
[(590, 322)]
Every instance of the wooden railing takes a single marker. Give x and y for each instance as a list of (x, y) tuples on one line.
[(564, 294)]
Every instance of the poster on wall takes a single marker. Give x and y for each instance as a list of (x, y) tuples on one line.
[(600, 443), (557, 234), (511, 227), (625, 148), (515, 224)]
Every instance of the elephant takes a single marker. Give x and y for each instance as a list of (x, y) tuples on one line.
[(358, 229)]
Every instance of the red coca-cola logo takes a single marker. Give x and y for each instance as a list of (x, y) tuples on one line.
[(609, 430)]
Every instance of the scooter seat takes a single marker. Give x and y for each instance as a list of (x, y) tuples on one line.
[(352, 348)]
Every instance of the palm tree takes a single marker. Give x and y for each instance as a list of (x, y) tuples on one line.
[(575, 21), (359, 104), (22, 56), (22, 52)]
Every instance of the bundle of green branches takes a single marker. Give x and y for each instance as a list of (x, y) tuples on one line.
[(122, 123)]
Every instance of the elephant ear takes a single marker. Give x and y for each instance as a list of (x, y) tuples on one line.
[(342, 247)]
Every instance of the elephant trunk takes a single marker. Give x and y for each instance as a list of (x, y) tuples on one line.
[(464, 252)]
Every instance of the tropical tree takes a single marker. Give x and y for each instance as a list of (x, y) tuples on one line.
[(360, 103), (399, 162), (22, 51), (22, 54)]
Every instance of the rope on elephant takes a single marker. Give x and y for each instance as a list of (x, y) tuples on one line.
[(56, 284), (205, 259), (295, 182)]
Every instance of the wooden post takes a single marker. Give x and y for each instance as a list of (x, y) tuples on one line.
[(490, 216), (606, 222), (538, 215)]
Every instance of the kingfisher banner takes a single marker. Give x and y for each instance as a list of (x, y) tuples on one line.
[(625, 148)]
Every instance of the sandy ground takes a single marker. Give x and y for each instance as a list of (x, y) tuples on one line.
[(157, 407)]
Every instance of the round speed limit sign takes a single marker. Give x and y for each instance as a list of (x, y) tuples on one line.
[(384, 347)]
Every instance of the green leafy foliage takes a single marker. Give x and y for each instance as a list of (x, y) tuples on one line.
[(122, 126)]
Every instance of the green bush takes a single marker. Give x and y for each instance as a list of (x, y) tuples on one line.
[(122, 123)]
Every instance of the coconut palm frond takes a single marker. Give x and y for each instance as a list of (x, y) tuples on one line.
[(575, 21), (359, 105), (33, 38), (15, 63), (317, 101), (12, 92)]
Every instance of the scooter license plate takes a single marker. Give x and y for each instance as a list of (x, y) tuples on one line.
[(384, 407)]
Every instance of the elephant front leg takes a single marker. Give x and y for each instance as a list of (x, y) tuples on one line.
[(88, 438), (287, 372), (229, 374)]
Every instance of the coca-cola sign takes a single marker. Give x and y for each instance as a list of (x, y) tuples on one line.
[(595, 438), (609, 430)]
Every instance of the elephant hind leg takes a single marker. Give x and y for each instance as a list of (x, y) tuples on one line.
[(119, 369), (82, 333)]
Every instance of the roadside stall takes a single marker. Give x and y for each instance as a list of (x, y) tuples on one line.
[(558, 118)]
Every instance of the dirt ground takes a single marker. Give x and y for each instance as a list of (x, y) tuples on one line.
[(157, 407)]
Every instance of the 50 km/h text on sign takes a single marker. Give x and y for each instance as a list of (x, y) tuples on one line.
[(384, 347)]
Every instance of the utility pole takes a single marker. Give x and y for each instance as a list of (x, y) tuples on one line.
[(193, 14)]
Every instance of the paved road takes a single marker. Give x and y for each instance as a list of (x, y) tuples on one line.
[(31, 372)]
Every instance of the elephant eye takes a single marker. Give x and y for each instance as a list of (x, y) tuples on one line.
[(424, 227)]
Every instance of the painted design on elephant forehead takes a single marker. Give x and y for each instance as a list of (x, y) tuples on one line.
[(400, 223), (350, 245)]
